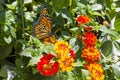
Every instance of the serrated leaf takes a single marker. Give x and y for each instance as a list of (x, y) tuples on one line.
[(70, 76), (12, 6), (27, 1), (106, 47), (62, 3), (85, 74), (3, 71), (5, 50), (110, 32), (74, 44), (78, 63), (117, 24), (74, 29), (59, 20), (72, 41), (26, 52), (96, 7), (12, 31), (8, 40), (76, 48), (33, 61), (117, 44), (116, 69), (65, 34), (11, 75)]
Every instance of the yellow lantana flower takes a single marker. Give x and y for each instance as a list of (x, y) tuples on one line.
[(66, 63), (62, 48)]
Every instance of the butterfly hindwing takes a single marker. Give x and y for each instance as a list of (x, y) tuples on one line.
[(42, 28)]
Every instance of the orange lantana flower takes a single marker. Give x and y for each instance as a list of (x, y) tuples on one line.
[(96, 71), (82, 19), (91, 54)]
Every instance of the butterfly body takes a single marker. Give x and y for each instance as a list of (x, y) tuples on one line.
[(42, 28)]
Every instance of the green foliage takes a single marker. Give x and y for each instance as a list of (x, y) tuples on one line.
[(20, 51), (106, 48)]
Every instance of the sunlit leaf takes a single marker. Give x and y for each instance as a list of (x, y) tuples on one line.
[(96, 7), (112, 32), (33, 61), (11, 74), (117, 44), (85, 74), (78, 63), (12, 6), (3, 71), (26, 52), (117, 24), (116, 69), (8, 40), (74, 29), (72, 41), (27, 1)]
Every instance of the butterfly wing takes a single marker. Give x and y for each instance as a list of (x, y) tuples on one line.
[(42, 28)]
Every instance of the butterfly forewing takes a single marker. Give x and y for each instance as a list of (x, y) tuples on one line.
[(42, 28)]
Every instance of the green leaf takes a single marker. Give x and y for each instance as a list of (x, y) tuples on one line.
[(59, 20), (108, 3), (12, 31), (3, 71), (112, 32), (72, 41), (74, 29), (33, 61), (117, 44), (29, 16), (85, 74), (27, 1), (106, 47), (5, 50), (26, 52), (78, 63), (2, 16), (116, 69), (117, 25), (70, 76), (8, 40), (65, 34), (11, 75), (96, 7), (58, 4), (12, 6), (74, 44)]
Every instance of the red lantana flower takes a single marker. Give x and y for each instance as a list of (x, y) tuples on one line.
[(46, 67), (82, 19), (90, 39), (88, 28), (72, 54)]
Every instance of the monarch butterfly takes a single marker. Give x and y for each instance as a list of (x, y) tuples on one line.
[(42, 28)]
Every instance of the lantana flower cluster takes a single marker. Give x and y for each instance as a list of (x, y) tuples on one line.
[(63, 58), (90, 52), (50, 64)]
